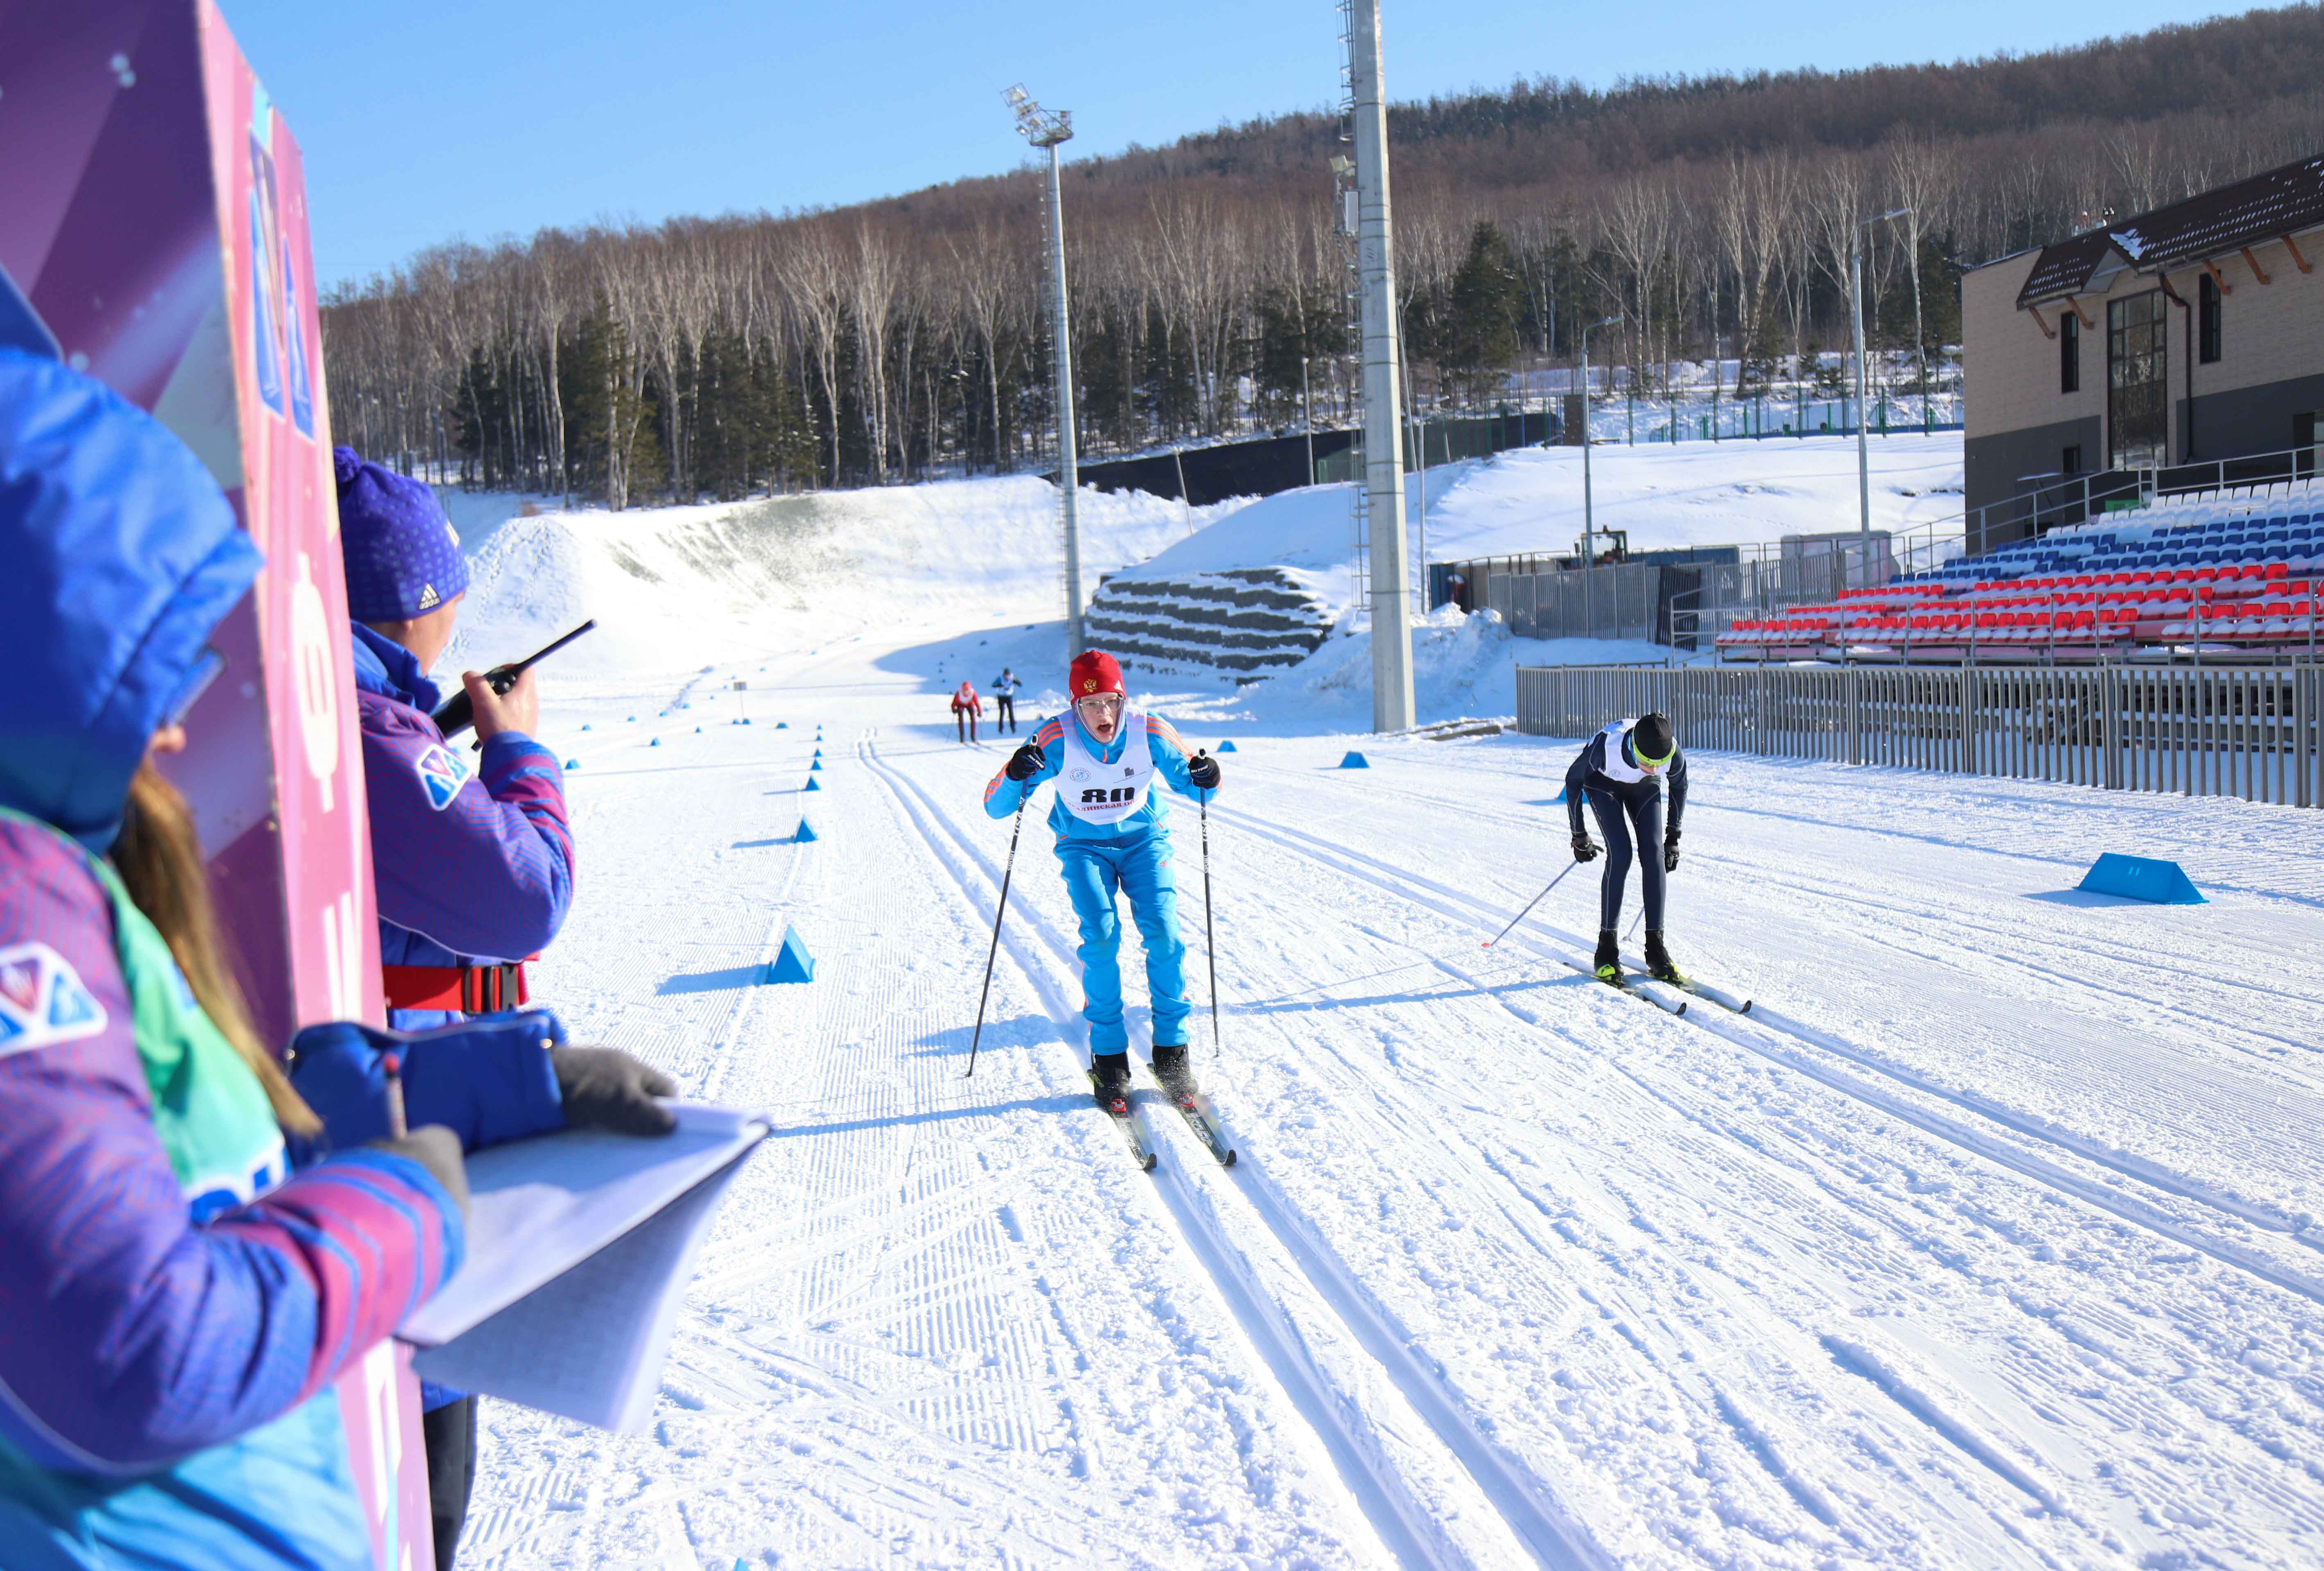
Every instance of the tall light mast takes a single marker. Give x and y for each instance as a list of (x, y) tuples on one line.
[(1392, 705), (1043, 129)]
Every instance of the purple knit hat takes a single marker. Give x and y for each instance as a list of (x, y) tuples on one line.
[(403, 558)]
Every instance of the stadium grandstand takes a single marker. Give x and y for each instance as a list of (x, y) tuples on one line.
[(2237, 575)]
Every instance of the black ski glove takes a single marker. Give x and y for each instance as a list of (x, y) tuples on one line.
[(605, 1088), (1585, 849), (1670, 852), (1203, 770), (1026, 762), (437, 1149)]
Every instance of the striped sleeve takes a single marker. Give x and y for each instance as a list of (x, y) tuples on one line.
[(483, 866), (130, 1335), (1002, 795), (1170, 756)]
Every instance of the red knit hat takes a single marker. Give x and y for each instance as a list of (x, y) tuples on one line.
[(1094, 671)]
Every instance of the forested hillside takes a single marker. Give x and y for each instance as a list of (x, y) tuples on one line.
[(894, 339)]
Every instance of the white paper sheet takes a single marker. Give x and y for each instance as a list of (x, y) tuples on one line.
[(580, 1247)]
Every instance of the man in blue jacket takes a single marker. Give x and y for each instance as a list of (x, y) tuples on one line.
[(473, 868), (1114, 833)]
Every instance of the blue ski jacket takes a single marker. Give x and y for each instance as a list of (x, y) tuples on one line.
[(160, 1374), (1003, 794), (468, 867)]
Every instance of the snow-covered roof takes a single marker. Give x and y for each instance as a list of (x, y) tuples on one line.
[(2266, 207)]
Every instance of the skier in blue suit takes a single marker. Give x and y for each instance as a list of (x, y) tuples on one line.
[(1114, 833)]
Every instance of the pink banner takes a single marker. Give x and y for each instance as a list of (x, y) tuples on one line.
[(153, 210)]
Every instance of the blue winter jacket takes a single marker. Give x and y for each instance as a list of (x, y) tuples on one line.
[(1003, 794), (467, 866)]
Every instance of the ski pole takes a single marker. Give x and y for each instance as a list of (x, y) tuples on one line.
[(1210, 933), (1536, 901), (1634, 924), (1008, 871)]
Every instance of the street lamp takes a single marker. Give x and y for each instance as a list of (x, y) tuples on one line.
[(1043, 129), (1588, 519), (1863, 452)]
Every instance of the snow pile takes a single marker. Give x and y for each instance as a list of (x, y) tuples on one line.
[(673, 587), (1529, 499)]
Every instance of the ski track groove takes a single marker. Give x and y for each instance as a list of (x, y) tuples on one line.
[(1538, 1521), (1407, 886)]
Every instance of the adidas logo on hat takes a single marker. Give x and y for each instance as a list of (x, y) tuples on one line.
[(428, 597)]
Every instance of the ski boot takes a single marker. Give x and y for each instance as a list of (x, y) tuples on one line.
[(1171, 1068), (1608, 964), (1109, 1082), (1659, 964)]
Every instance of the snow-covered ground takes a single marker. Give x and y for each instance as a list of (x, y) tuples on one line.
[(1987, 1239)]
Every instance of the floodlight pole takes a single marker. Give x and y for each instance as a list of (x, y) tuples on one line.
[(1588, 520), (1863, 452), (1049, 131), (1392, 695)]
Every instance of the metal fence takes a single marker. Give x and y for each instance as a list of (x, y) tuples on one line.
[(2225, 731), (1617, 602)]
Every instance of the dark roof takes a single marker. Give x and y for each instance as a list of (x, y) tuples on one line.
[(2063, 269), (2282, 201)]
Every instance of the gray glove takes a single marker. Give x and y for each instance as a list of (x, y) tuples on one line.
[(605, 1088), (438, 1149)]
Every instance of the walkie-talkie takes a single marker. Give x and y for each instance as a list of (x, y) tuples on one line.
[(459, 714)]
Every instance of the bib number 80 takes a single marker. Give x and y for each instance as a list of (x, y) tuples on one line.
[(1099, 796)]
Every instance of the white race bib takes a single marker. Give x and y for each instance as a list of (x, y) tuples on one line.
[(1098, 792), (1616, 767)]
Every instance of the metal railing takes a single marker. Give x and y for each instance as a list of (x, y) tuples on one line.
[(2043, 503), (2247, 732)]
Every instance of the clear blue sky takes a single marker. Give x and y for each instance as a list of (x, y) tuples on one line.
[(428, 120)]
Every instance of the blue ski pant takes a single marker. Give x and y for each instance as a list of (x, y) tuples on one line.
[(1139, 868), (1643, 809)]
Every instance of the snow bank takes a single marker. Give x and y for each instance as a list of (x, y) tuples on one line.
[(1529, 499), (675, 588)]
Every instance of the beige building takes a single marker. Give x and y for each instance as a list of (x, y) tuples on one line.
[(2191, 334)]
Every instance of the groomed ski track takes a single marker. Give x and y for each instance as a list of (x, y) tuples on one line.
[(1997, 1259)]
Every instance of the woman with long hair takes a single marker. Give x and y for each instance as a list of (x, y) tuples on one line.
[(175, 1300)]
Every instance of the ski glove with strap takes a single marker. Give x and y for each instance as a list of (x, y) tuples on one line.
[(1203, 770), (1670, 852), (605, 1088), (1585, 849), (1026, 762)]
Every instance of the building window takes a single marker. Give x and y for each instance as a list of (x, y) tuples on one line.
[(2207, 318), (2070, 462), (2070, 351), (2138, 374)]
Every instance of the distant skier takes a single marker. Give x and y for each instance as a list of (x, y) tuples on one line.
[(1112, 834), (1004, 702), (1621, 773), (966, 708)]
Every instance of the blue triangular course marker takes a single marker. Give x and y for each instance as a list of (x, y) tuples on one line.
[(812, 784), (2141, 878), (634, 720), (819, 753), (1229, 746), (745, 720), (697, 730), (1354, 761), (816, 766), (573, 763), (782, 724), (585, 728), (1559, 799), (794, 964), (806, 832)]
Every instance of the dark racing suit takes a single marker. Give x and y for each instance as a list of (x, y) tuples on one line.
[(1621, 796)]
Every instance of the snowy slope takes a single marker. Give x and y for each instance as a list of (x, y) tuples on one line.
[(674, 586), (1988, 1240)]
